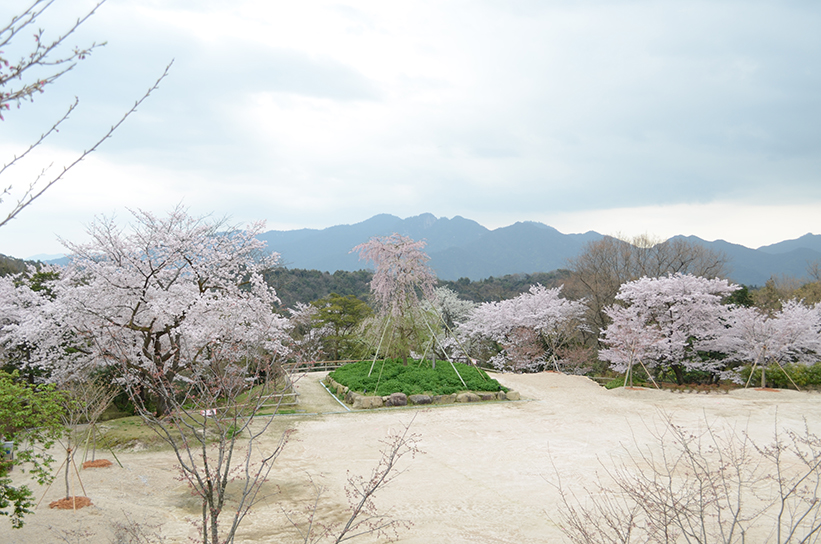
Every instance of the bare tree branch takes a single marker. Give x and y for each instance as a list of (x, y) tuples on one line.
[(33, 193), (716, 486), (42, 54)]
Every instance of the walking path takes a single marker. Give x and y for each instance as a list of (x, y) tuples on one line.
[(486, 474), (313, 397)]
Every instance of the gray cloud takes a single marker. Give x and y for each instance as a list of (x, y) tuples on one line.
[(523, 107)]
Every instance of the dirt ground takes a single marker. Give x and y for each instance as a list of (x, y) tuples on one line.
[(484, 475)]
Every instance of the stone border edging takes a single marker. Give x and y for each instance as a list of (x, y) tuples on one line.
[(358, 401)]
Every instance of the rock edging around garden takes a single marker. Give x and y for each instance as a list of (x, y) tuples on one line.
[(358, 401)]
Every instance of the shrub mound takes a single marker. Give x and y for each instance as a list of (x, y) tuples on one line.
[(419, 377)]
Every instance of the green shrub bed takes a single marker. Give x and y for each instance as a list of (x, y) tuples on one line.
[(804, 376), (415, 379)]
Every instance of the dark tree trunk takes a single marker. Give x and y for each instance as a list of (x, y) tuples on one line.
[(678, 370)]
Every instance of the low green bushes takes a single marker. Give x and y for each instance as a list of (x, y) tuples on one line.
[(803, 375), (619, 382), (391, 376), (808, 376)]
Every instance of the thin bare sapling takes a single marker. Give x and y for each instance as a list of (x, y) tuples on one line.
[(219, 412), (84, 400), (715, 485)]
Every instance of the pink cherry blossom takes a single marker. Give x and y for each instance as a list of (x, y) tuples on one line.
[(529, 328), (670, 321)]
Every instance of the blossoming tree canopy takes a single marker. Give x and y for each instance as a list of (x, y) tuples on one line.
[(685, 313), (451, 308), (791, 334), (401, 270), (539, 318), (160, 299), (402, 274), (628, 339)]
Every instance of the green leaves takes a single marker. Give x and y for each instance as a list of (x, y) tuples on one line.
[(342, 315), (30, 417)]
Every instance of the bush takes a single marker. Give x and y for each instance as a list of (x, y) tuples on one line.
[(419, 377), (802, 375), (619, 382)]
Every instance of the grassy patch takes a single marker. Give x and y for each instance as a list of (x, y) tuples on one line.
[(391, 376), (128, 432), (260, 400), (132, 431)]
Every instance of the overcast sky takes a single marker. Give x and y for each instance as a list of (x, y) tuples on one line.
[(630, 117)]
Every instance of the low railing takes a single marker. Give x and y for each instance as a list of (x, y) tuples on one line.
[(315, 366), (287, 397)]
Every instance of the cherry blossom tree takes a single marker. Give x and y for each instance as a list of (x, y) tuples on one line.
[(401, 280), (687, 319), (26, 301), (604, 265), (793, 334), (156, 301), (628, 339), (452, 309), (529, 329), (307, 340), (177, 306), (402, 272)]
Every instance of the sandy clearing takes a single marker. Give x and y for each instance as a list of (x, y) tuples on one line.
[(483, 475)]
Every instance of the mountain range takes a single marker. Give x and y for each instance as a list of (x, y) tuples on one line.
[(460, 247)]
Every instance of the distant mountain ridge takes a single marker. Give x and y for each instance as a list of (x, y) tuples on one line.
[(756, 266), (808, 241), (460, 247)]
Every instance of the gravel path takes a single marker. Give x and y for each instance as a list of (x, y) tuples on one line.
[(485, 474), (313, 397)]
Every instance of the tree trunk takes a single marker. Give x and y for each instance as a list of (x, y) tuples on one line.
[(214, 527), (68, 466), (678, 370), (162, 405)]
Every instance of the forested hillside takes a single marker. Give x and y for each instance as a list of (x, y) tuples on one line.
[(10, 265), (297, 285), (504, 287)]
